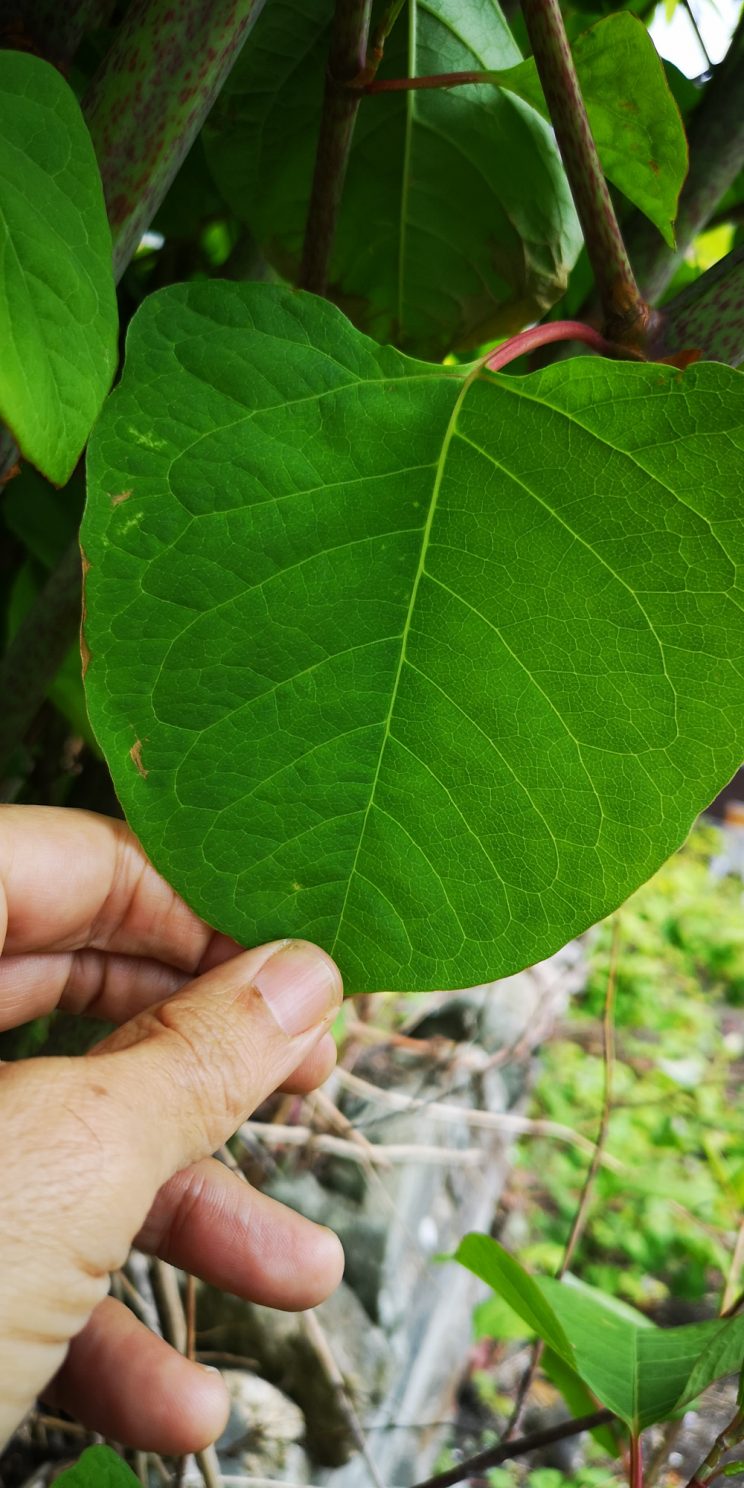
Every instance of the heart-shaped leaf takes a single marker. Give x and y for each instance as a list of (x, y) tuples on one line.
[(635, 121), (639, 1371), (431, 666), (58, 314), (456, 223), (98, 1467)]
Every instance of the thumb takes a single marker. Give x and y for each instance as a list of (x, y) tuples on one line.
[(193, 1067), (91, 1140)]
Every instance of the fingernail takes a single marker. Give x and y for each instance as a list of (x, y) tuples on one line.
[(301, 986), (210, 1369)]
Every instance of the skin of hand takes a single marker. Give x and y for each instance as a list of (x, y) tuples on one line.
[(113, 1148)]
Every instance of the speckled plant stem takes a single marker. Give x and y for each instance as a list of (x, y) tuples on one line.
[(625, 313), (150, 98), (707, 317), (144, 109), (346, 62)]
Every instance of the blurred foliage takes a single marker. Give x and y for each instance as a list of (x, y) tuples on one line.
[(664, 1226)]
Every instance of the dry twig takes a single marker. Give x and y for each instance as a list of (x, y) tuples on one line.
[(505, 1121), (585, 1198), (382, 1156)]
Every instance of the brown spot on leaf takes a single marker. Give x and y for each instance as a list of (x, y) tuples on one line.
[(122, 496), (683, 359), (135, 755), (653, 165)]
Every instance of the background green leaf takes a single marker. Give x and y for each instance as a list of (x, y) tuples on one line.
[(723, 1354), (456, 223), (98, 1467), (431, 668), (635, 121), (58, 314), (639, 1371)]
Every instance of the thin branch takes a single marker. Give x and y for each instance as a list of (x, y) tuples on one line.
[(472, 1466), (505, 1121), (380, 1156), (730, 1437), (608, 1054), (416, 84), (347, 60), (324, 1352), (731, 1289), (209, 1466), (379, 36), (582, 1210), (698, 33), (626, 315), (316, 1334)]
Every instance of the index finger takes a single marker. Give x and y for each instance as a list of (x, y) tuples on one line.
[(70, 879)]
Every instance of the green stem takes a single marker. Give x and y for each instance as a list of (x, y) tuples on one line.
[(730, 1437), (716, 143), (626, 315), (346, 62), (150, 97), (379, 36)]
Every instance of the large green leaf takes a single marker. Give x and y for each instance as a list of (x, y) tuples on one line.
[(431, 666), (99, 1467), (639, 1371), (635, 121), (58, 313), (456, 222)]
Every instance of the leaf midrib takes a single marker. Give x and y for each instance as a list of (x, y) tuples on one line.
[(425, 537)]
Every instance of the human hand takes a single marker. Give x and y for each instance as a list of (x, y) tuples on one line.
[(114, 1147)]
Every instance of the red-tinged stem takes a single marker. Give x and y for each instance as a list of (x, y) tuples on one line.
[(346, 62), (556, 330), (434, 80), (626, 314), (150, 97), (636, 1462)]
